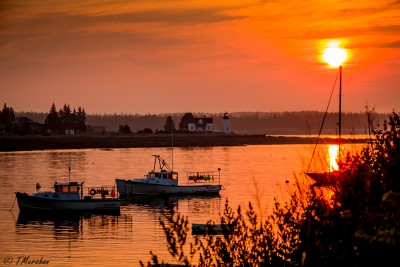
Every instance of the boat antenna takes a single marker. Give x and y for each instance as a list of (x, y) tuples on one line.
[(172, 144), (69, 173), (326, 112), (69, 170)]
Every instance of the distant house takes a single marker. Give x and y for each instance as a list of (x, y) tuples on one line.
[(69, 132), (201, 125)]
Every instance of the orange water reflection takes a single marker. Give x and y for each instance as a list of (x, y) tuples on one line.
[(333, 157)]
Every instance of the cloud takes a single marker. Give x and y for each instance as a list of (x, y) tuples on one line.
[(395, 29), (390, 45), (64, 20), (44, 31)]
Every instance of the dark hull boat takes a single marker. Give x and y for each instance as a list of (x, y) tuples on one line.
[(324, 178), (31, 203), (67, 197)]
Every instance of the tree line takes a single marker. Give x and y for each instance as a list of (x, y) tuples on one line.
[(55, 121), (64, 119), (293, 122)]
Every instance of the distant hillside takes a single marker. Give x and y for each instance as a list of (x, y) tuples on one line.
[(299, 123)]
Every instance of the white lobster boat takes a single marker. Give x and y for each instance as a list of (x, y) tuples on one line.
[(165, 181), (68, 197)]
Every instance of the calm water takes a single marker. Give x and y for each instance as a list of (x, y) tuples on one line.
[(248, 173)]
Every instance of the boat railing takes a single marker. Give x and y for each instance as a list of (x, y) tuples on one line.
[(204, 177), (102, 191)]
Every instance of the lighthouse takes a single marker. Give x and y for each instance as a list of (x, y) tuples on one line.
[(226, 127)]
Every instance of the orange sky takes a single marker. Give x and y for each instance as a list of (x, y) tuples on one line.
[(169, 56)]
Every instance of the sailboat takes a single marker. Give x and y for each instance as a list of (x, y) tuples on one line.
[(330, 177)]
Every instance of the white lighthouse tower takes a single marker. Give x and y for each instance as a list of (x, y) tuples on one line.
[(226, 127)]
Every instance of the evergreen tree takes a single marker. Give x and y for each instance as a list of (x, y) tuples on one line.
[(186, 119), (7, 117), (65, 119), (52, 121), (65, 116), (169, 125), (81, 119)]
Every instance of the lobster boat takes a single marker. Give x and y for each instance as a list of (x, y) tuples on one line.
[(162, 180), (69, 197)]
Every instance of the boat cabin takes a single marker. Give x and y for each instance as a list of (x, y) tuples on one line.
[(64, 191), (67, 187), (163, 175)]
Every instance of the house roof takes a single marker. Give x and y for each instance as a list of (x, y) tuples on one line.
[(202, 121)]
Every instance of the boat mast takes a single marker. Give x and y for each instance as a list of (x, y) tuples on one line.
[(340, 116), (340, 104), (172, 146), (69, 174), (69, 171)]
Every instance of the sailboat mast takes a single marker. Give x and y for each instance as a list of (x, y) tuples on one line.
[(340, 103), (172, 146)]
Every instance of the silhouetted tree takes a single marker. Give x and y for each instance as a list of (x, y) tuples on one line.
[(124, 129), (169, 125), (52, 121), (58, 122), (7, 117), (186, 119), (81, 119), (66, 118)]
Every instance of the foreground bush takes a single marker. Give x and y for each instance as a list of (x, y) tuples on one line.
[(358, 226)]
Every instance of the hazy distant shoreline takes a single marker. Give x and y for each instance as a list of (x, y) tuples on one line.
[(29, 143)]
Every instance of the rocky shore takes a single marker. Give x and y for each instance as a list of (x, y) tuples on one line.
[(28, 143)]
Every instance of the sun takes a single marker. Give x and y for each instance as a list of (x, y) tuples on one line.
[(333, 54)]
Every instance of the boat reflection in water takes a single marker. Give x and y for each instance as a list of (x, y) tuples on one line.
[(332, 173), (150, 204), (199, 204), (71, 221), (58, 220)]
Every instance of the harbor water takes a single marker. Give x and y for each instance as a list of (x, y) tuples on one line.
[(254, 174)]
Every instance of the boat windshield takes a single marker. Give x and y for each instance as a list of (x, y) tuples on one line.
[(164, 175), (72, 187)]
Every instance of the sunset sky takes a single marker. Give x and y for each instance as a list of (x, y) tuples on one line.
[(141, 57)]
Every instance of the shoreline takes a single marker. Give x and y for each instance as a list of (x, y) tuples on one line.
[(30, 143)]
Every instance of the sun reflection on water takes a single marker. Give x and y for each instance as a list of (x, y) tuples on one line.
[(333, 151)]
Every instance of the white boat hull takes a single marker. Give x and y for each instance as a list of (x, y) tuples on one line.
[(31, 203), (131, 187)]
